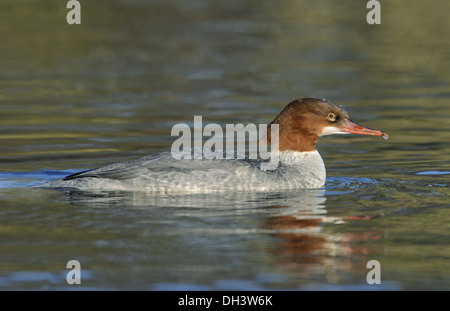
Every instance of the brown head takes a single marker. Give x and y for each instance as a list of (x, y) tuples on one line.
[(303, 121)]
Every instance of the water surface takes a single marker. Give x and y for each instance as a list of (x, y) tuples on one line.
[(110, 89)]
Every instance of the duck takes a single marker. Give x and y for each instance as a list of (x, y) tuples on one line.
[(300, 125)]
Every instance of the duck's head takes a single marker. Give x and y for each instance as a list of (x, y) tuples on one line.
[(303, 121)]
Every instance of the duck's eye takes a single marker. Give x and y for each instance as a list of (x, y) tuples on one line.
[(331, 117)]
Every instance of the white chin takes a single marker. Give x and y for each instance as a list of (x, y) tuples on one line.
[(332, 130)]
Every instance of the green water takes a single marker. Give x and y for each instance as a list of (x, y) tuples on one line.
[(79, 96)]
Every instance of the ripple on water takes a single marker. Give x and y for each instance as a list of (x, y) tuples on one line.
[(30, 179), (346, 185), (433, 173)]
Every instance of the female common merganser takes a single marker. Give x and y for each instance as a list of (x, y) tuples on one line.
[(300, 124)]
